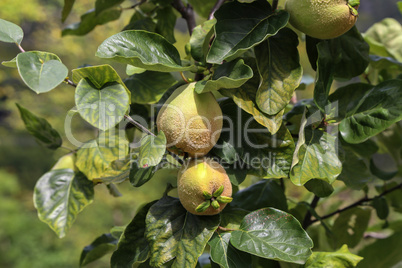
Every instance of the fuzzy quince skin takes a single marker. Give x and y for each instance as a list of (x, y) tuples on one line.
[(323, 19)]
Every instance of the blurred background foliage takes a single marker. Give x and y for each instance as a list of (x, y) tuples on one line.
[(24, 240)]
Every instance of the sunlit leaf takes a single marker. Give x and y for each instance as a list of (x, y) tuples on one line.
[(59, 196), (273, 234), (133, 246), (38, 127), (41, 71), (142, 49), (340, 258), (278, 63), (152, 150), (10, 32), (240, 26), (199, 40), (172, 232), (95, 157)]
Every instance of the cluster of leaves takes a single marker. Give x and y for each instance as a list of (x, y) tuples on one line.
[(246, 53)]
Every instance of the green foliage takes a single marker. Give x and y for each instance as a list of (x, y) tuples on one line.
[(247, 55)]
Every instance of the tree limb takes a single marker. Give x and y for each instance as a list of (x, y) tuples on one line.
[(217, 5), (307, 219), (357, 203), (187, 13), (274, 5)]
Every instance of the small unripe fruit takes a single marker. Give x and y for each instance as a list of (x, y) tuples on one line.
[(323, 19), (192, 122), (202, 185)]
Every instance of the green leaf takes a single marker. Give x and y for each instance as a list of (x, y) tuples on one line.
[(280, 71), (381, 207), (231, 217), (142, 49), (355, 170), (315, 157), (103, 5), (59, 196), (166, 23), (38, 127), (245, 98), (273, 234), (152, 150), (226, 255), (102, 107), (68, 6), (228, 75), (133, 246), (339, 258), (149, 87), (199, 40), (101, 246), (319, 187), (241, 26), (350, 226), (203, 8), (378, 108), (140, 21), (95, 157), (383, 252), (11, 63), (172, 232), (140, 175), (381, 174), (41, 71), (267, 155), (10, 32), (90, 20), (130, 70), (265, 193), (385, 39)]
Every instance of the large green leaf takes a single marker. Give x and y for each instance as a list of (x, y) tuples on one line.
[(355, 170), (38, 127), (166, 21), (273, 234), (68, 6), (95, 157), (142, 49), (266, 155), (172, 232), (370, 111), (90, 20), (383, 252), (350, 226), (340, 258), (245, 98), (140, 175), (149, 87), (152, 150), (319, 187), (228, 75), (103, 5), (59, 196), (102, 107), (133, 246), (101, 246), (226, 255), (240, 26), (199, 40), (280, 71), (10, 32), (265, 193), (41, 71), (385, 39), (315, 157)]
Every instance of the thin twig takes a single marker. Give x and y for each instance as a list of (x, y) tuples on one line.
[(217, 5), (307, 218), (183, 77), (357, 203), (176, 157), (71, 83), (138, 125), (187, 13)]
